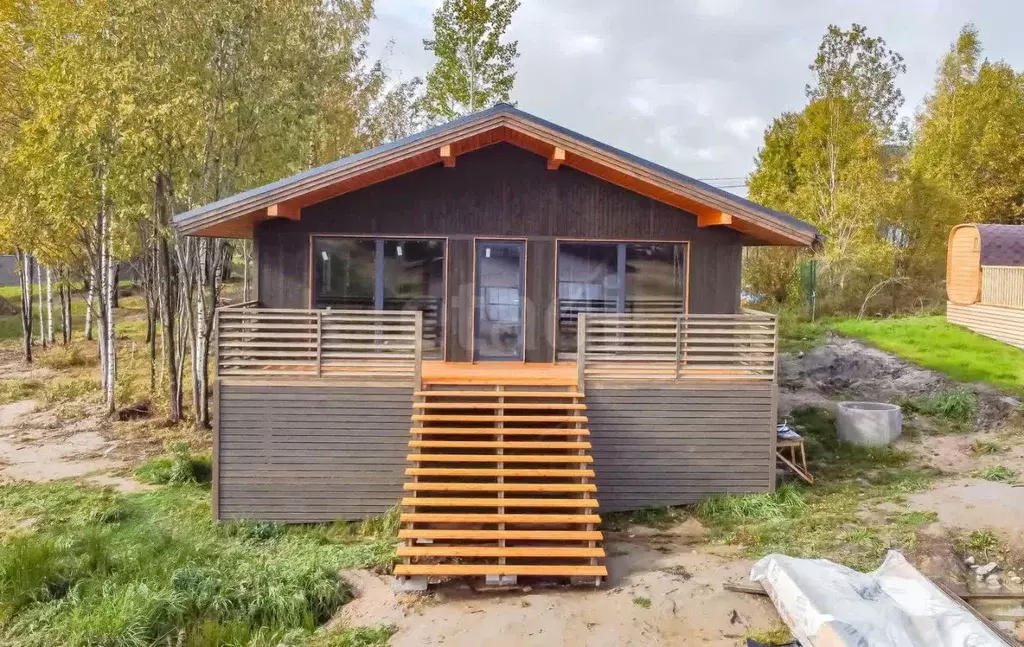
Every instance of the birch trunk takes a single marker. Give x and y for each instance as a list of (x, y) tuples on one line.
[(111, 341), (100, 278), (24, 262), (90, 299), (42, 321), (49, 306)]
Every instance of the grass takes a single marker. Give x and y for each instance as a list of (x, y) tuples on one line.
[(178, 467), (934, 343), (659, 517), (952, 410), (776, 636), (997, 473), (842, 517), (987, 447), (133, 570), (979, 542), (642, 602)]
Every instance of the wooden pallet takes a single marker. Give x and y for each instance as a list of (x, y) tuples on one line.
[(500, 480)]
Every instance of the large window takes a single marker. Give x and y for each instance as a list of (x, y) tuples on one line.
[(617, 277), (383, 274)]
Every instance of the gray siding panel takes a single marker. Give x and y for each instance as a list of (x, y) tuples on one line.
[(310, 453), (671, 444)]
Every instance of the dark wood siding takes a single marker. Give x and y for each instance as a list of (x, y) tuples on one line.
[(671, 445), (540, 300), (304, 453), (499, 191)]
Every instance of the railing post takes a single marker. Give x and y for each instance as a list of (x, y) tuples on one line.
[(319, 343), (679, 345), (581, 351), (417, 376)]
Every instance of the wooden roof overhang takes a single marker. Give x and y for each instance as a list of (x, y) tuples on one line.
[(236, 216)]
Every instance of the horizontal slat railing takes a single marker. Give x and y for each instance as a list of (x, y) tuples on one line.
[(319, 343), (677, 347), (1002, 286)]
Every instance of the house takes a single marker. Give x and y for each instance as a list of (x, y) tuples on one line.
[(985, 280), (557, 320)]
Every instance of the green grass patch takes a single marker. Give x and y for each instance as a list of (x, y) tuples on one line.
[(841, 517), (934, 343), (776, 636), (128, 570), (979, 542), (642, 602), (799, 336), (997, 473), (178, 467), (15, 390)]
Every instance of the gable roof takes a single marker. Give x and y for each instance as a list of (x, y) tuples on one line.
[(235, 216)]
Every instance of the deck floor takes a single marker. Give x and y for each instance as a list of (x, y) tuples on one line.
[(560, 374)]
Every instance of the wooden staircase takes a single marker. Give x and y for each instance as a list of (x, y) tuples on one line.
[(500, 481)]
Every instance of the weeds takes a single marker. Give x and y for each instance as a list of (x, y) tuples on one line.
[(100, 568), (180, 466), (979, 542), (15, 390), (997, 473), (64, 357), (957, 408), (985, 447), (642, 602), (778, 636), (785, 503), (658, 517)]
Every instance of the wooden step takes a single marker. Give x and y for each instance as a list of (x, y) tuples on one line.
[(492, 569), (472, 502), (495, 458), (492, 380), (495, 472), (434, 517), (430, 417), (498, 444), (496, 393), (509, 406), (535, 535), (495, 551), (490, 431), (420, 486)]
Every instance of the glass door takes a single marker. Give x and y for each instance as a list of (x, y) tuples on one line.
[(498, 316)]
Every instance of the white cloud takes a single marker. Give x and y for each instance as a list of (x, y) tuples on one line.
[(745, 127), (581, 44)]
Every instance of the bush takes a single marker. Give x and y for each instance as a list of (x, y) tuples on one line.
[(177, 468)]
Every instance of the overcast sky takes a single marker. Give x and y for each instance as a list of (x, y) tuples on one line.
[(691, 84)]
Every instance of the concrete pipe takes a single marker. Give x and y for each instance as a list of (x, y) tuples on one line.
[(869, 423)]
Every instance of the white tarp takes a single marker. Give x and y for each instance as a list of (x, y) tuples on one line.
[(828, 605)]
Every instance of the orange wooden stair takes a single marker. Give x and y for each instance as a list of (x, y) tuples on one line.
[(500, 481)]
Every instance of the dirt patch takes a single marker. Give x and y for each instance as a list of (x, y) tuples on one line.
[(973, 504), (36, 446), (681, 577), (846, 369)]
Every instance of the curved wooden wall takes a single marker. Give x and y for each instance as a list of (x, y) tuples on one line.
[(963, 265)]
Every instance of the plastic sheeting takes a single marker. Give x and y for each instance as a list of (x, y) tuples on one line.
[(828, 605)]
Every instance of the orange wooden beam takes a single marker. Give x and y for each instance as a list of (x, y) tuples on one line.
[(556, 158), (288, 210), (447, 157), (712, 219)]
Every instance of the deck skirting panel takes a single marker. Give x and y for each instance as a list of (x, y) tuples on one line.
[(305, 453), (677, 444)]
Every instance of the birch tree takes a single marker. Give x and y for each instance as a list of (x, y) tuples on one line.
[(474, 68)]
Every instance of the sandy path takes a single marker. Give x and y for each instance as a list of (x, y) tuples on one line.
[(684, 609), (37, 447)]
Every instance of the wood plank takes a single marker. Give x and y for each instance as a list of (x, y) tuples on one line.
[(470, 502), (514, 406), (495, 551), (431, 517), (491, 431), (502, 458), (503, 472), (495, 393), (538, 535), (422, 486), (497, 444), (507, 569), (495, 418)]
